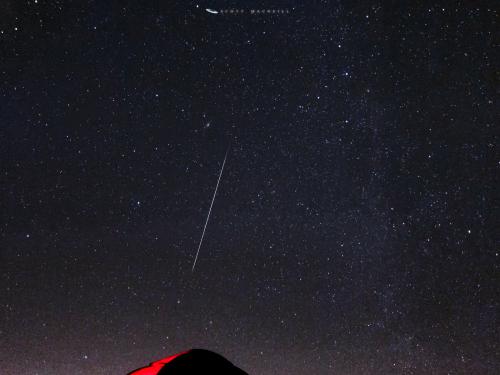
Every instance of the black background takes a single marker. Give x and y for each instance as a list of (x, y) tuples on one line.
[(353, 230)]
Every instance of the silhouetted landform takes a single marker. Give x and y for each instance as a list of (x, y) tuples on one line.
[(194, 361)]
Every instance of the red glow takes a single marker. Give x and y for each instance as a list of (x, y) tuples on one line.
[(155, 367)]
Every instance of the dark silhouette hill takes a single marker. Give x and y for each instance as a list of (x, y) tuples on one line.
[(194, 361)]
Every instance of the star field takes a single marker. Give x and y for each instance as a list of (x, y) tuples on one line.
[(353, 231)]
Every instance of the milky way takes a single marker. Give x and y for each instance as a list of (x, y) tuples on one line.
[(354, 227)]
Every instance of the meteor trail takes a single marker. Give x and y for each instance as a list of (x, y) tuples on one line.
[(210, 209)]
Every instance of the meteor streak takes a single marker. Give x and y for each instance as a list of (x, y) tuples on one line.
[(210, 210)]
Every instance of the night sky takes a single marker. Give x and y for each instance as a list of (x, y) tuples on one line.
[(353, 231)]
